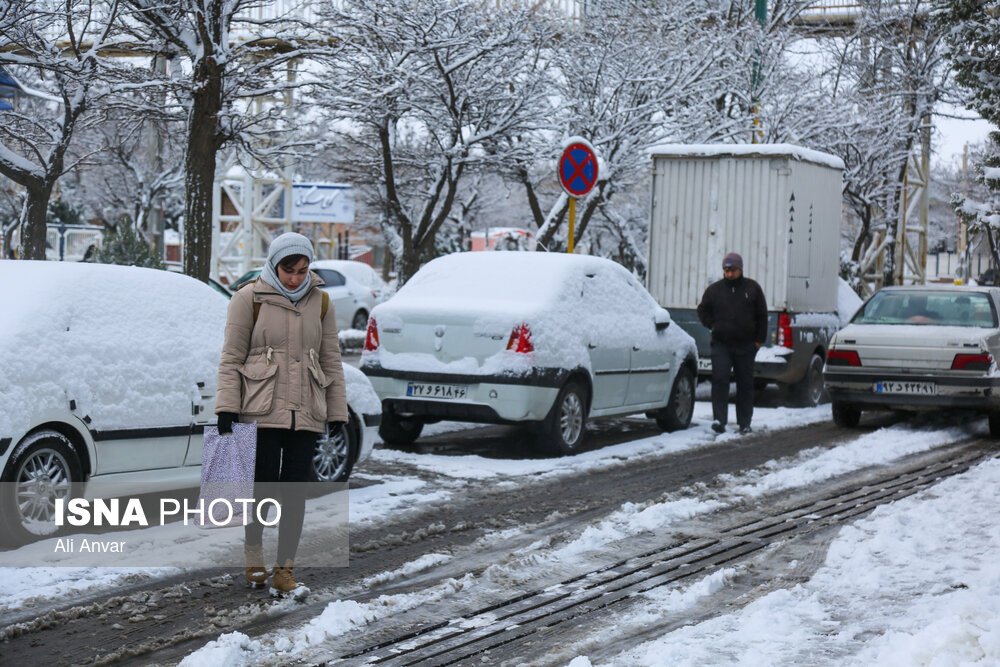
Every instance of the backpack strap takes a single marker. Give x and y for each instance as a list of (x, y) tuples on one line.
[(322, 314)]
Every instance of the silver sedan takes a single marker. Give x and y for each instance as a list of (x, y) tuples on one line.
[(918, 347)]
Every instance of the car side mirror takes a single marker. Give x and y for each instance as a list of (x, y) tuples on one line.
[(661, 319)]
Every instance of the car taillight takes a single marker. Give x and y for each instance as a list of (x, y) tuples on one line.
[(371, 336), (843, 358), (520, 339), (785, 330), (972, 362)]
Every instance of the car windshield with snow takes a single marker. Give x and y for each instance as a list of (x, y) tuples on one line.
[(539, 338), (108, 374), (918, 347)]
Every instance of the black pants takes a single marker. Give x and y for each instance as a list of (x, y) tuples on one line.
[(738, 358), (284, 458)]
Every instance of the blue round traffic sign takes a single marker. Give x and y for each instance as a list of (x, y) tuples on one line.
[(578, 168)]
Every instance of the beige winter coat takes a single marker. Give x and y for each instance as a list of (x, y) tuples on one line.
[(287, 366)]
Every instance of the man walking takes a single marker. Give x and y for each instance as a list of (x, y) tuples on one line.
[(735, 311)]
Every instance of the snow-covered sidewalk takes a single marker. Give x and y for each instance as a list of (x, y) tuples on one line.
[(915, 583)]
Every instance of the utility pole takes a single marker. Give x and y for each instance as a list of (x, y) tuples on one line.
[(757, 135), (154, 146), (962, 275)]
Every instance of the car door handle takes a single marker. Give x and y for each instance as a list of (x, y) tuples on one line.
[(591, 346), (635, 348)]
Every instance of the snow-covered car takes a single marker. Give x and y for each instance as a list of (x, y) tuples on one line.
[(352, 299), (94, 388), (918, 347), (541, 338), (359, 271)]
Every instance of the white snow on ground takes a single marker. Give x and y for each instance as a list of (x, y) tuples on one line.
[(916, 579), (632, 519), (175, 541), (699, 435), (370, 505), (915, 583)]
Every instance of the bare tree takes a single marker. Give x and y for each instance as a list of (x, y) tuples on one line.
[(624, 79), (127, 179), (216, 87), (418, 96), (57, 48)]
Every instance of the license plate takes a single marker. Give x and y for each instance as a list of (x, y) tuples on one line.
[(925, 388), (419, 390), (704, 364)]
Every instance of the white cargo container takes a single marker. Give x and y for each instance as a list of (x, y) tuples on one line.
[(779, 206)]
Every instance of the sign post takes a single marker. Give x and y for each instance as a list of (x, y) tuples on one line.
[(577, 174)]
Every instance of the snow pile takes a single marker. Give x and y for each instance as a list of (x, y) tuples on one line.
[(917, 582), (127, 344), (229, 650), (881, 446), (848, 302), (360, 394)]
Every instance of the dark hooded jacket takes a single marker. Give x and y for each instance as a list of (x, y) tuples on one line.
[(735, 311)]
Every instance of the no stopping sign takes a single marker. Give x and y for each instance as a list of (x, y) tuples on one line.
[(578, 167)]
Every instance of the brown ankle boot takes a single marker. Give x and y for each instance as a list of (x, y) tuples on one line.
[(283, 582), (256, 574)]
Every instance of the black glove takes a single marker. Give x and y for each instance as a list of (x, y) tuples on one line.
[(226, 421), (336, 427)]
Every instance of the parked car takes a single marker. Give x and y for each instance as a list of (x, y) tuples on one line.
[(543, 339), (220, 288), (359, 271), (989, 277), (247, 277), (918, 347), (95, 388), (352, 300)]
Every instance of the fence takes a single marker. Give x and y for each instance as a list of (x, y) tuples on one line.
[(942, 266)]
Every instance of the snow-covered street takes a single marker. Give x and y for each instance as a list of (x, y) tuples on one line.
[(912, 583)]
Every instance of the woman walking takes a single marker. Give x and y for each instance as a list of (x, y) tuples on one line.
[(281, 368)]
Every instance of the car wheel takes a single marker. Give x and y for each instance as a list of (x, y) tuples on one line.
[(335, 453), (562, 432), (809, 391), (995, 424), (847, 415), (360, 321), (42, 468), (677, 415), (760, 384), (398, 431)]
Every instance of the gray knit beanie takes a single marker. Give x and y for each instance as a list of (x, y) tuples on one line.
[(289, 244)]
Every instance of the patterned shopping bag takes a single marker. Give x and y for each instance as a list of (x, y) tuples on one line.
[(227, 472)]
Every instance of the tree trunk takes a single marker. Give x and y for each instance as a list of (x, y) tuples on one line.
[(409, 262), (199, 166), (33, 229)]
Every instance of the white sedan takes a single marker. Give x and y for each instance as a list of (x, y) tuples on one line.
[(918, 347), (359, 272), (108, 376), (526, 337)]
